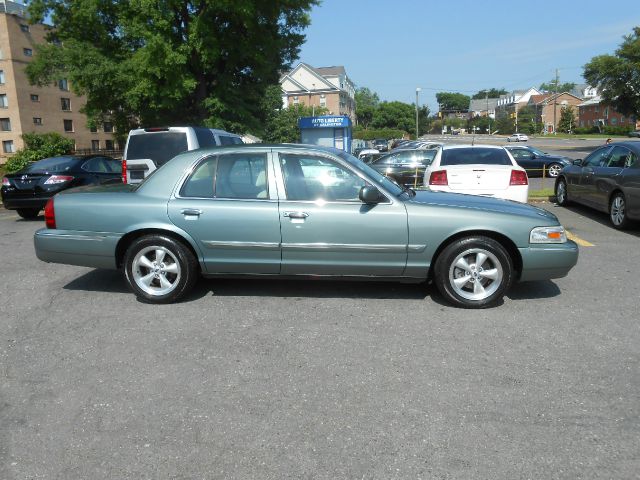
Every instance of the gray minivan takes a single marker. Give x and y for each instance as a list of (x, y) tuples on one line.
[(149, 148)]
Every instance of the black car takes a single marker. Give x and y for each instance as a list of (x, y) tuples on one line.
[(28, 190), (535, 161), (608, 180), (406, 167), (635, 134)]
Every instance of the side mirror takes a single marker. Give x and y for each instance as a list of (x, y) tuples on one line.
[(369, 194), (578, 162)]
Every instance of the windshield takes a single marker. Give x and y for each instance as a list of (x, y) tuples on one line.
[(378, 178), (537, 152), (53, 164)]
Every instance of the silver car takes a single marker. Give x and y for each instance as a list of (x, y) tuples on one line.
[(295, 211)]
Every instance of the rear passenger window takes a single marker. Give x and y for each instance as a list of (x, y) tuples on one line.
[(242, 176)]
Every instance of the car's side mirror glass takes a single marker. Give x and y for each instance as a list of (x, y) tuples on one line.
[(369, 194), (578, 162)]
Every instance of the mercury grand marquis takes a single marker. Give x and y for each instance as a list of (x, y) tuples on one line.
[(295, 211)]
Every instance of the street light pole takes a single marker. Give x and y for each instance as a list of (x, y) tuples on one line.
[(417, 92)]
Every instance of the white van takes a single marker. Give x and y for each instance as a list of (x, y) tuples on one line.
[(149, 148)]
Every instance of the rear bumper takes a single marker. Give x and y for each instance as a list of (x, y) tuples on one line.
[(87, 249), (543, 262), (518, 193), (25, 202)]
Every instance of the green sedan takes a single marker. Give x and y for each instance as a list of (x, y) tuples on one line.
[(295, 211)]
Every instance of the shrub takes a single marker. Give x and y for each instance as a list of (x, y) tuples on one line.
[(38, 146), (371, 134)]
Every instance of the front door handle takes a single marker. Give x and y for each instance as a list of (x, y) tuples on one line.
[(191, 212), (298, 215)]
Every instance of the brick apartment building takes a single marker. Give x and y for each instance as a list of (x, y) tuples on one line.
[(327, 87), (548, 108), (25, 108), (595, 113)]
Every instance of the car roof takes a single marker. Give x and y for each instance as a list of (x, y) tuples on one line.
[(633, 145)]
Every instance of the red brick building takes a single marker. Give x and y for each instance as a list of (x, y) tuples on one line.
[(594, 113)]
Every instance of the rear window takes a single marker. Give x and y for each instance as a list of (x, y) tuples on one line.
[(475, 156), (53, 164), (227, 140), (158, 146)]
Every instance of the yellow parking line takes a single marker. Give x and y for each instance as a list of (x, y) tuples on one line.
[(578, 240)]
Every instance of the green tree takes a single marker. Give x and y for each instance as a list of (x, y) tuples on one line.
[(38, 146), (171, 62), (397, 115), (567, 120), (366, 98), (561, 87), (453, 102), (504, 122), (527, 122), (281, 125), (492, 93), (617, 77)]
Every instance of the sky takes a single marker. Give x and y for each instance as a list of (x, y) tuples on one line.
[(393, 47)]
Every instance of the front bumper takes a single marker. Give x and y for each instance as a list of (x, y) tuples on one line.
[(86, 249), (543, 262)]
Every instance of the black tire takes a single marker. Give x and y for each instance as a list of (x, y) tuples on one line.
[(618, 212), (554, 170), (466, 251), (28, 213), (177, 267), (562, 194)]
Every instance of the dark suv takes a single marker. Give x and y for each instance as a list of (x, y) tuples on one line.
[(381, 144)]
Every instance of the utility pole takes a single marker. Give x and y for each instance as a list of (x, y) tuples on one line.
[(417, 130), (486, 96), (555, 103)]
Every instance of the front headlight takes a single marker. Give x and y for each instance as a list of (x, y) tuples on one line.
[(548, 235)]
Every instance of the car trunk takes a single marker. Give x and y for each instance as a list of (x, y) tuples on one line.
[(478, 177), (27, 184)]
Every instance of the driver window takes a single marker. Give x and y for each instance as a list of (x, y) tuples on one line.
[(619, 157), (597, 158), (311, 178), (519, 153)]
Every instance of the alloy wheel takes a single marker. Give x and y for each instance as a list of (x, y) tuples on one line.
[(554, 170), (475, 274), (618, 210), (156, 270)]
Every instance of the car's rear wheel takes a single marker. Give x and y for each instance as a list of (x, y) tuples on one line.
[(160, 269), (561, 193), (554, 170), (28, 213), (618, 212), (474, 272)]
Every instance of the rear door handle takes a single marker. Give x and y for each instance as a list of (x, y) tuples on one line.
[(298, 215), (191, 212)]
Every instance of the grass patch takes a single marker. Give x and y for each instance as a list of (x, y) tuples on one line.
[(541, 194)]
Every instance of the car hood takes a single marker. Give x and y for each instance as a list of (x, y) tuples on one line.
[(478, 202)]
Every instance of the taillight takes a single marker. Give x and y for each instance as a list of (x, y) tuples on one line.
[(438, 177), (518, 177), (124, 171), (56, 179), (49, 214), (6, 182)]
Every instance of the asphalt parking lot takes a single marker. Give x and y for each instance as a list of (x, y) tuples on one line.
[(262, 379)]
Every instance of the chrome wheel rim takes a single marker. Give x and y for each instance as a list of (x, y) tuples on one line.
[(561, 194), (617, 210), (554, 170), (156, 270), (475, 274)]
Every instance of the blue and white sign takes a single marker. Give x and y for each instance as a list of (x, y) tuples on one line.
[(326, 121)]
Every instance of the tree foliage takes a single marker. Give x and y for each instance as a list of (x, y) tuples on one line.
[(400, 116), (567, 120), (453, 102), (617, 77), (170, 62), (38, 146), (560, 87), (281, 124), (491, 93)]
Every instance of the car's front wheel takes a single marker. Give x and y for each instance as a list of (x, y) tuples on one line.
[(28, 213), (160, 269), (554, 169), (561, 193), (474, 272), (618, 212)]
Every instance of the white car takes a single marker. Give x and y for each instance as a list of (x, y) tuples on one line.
[(517, 137), (485, 170), (367, 151)]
